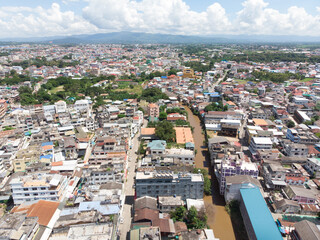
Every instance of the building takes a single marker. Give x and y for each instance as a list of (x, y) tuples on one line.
[(61, 106), (157, 147), (301, 194), (301, 116), (81, 105), (313, 166), (183, 135), (232, 168), (170, 203), (157, 184), (3, 108), (235, 183), (302, 136), (300, 100), (145, 233), (259, 143), (287, 206), (36, 187), (153, 110), (216, 116), (305, 230), (18, 226), (257, 218), (188, 73), (296, 149)]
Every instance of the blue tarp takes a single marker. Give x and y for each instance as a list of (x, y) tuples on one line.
[(48, 156), (46, 144)]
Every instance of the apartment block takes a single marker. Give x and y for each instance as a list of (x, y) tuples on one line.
[(156, 184), (38, 187)]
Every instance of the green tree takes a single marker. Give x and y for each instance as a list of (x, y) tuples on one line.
[(291, 124), (163, 116), (153, 95), (206, 179), (179, 214), (165, 131)]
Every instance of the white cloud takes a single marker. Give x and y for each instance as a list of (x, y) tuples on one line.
[(33, 22), (165, 16), (257, 18), (156, 16)]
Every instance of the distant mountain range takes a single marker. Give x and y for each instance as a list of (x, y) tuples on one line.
[(133, 37)]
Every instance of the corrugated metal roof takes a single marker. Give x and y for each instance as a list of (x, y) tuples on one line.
[(261, 219)]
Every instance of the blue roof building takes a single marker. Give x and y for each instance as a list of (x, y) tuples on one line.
[(257, 218), (157, 145)]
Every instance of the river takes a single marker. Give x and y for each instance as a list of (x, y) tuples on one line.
[(218, 218)]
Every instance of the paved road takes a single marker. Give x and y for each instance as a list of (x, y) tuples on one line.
[(127, 213)]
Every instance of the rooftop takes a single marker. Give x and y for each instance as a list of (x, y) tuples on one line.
[(260, 217)]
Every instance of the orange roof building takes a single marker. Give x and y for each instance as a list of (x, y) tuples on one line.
[(259, 122), (148, 131), (183, 135), (43, 209)]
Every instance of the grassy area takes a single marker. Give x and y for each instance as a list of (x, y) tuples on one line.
[(57, 89), (243, 81), (240, 81), (306, 80), (135, 89)]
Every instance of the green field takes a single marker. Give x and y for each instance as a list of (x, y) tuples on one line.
[(137, 89), (306, 80), (57, 89)]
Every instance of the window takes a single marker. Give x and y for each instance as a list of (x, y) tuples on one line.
[(34, 189)]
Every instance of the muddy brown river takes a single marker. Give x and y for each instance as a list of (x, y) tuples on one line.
[(218, 219)]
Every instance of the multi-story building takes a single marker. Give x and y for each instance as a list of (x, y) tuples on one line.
[(81, 105), (3, 107), (102, 175), (216, 117), (61, 106), (153, 110), (296, 150), (302, 136), (313, 166), (259, 143), (234, 167), (36, 187), (156, 184)]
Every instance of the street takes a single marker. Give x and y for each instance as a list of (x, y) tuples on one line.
[(125, 218)]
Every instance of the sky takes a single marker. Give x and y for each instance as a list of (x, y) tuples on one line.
[(41, 18)]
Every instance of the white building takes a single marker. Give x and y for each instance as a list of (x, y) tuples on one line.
[(259, 143), (300, 100), (61, 106), (81, 105), (36, 187)]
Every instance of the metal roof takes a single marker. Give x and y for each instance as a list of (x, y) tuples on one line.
[(261, 219)]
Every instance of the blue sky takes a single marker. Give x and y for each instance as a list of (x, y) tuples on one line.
[(232, 6), (36, 18)]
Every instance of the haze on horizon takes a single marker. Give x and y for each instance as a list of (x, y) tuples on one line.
[(36, 18)]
